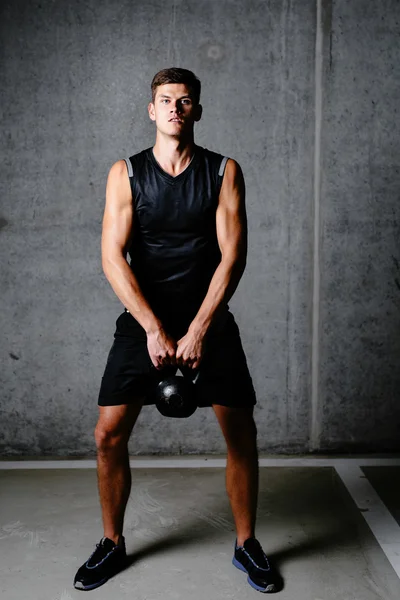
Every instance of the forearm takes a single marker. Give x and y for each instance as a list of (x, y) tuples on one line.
[(221, 289), (126, 287)]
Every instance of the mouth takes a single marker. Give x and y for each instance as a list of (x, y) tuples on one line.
[(175, 121)]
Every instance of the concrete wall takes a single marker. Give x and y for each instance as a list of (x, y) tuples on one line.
[(359, 392), (316, 135)]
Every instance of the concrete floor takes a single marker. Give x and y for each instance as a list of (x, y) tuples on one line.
[(180, 533)]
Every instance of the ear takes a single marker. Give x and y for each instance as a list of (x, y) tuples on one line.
[(198, 112), (150, 108)]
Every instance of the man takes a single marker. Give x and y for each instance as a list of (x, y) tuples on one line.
[(179, 210)]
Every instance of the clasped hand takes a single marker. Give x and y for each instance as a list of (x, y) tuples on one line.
[(164, 350)]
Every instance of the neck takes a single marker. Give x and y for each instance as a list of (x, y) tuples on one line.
[(174, 153)]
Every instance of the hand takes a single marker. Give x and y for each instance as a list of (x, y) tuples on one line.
[(190, 350), (162, 348)]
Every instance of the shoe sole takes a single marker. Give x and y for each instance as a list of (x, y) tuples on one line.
[(270, 587), (84, 588)]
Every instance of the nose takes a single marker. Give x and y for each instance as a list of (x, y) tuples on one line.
[(177, 108)]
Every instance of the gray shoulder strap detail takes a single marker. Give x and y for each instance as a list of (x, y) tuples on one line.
[(222, 167), (129, 165)]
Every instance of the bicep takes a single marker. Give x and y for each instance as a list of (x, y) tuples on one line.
[(118, 214), (231, 214)]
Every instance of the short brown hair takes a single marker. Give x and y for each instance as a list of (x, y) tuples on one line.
[(176, 75)]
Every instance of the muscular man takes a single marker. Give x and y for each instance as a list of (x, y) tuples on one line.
[(179, 211)]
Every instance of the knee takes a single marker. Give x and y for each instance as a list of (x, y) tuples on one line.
[(108, 439), (250, 434), (243, 438)]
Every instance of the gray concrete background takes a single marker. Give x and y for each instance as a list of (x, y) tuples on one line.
[(74, 87), (360, 229)]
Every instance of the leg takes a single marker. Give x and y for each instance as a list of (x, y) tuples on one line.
[(240, 432), (112, 434)]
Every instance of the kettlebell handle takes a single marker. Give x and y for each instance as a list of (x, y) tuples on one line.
[(186, 371), (183, 370), (197, 375)]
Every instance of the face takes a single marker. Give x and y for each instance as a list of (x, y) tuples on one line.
[(173, 109)]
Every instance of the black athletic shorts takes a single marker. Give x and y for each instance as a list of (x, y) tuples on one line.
[(224, 376)]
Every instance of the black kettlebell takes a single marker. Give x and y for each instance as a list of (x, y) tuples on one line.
[(174, 395)]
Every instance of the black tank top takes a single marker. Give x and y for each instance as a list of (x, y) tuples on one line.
[(174, 248)]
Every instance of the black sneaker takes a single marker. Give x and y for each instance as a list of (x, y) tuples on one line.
[(103, 563), (250, 558)]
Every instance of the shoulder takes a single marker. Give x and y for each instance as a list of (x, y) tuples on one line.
[(126, 166), (118, 170), (230, 173), (141, 155), (211, 155), (231, 166), (233, 169)]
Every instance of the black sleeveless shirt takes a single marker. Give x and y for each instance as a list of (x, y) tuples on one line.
[(174, 248)]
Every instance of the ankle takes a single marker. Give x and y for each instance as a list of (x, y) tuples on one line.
[(241, 540), (116, 538)]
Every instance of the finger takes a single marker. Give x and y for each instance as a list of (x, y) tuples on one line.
[(197, 362)]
